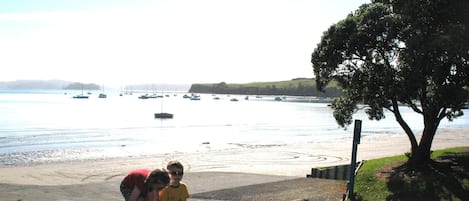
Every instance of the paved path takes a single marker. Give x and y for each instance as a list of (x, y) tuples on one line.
[(204, 186)]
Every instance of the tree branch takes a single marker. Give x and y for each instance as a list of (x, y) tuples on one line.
[(442, 114), (404, 125), (415, 108)]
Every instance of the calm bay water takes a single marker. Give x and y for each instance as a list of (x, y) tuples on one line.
[(45, 126)]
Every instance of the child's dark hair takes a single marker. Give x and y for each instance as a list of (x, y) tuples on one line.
[(157, 176), (175, 164)]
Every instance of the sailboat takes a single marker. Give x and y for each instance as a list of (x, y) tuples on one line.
[(163, 115), (81, 96)]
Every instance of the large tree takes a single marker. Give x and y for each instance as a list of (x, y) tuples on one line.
[(393, 53)]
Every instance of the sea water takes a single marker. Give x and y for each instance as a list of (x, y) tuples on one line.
[(47, 126)]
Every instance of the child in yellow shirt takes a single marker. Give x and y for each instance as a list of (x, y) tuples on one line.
[(177, 190)]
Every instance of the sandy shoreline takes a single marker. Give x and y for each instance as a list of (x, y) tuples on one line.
[(282, 162)]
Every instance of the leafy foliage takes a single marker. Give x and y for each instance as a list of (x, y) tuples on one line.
[(360, 52)]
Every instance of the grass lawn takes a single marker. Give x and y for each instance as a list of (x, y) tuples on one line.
[(447, 178)]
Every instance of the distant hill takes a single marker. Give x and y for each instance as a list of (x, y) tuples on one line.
[(34, 84), (294, 87), (46, 85), (68, 85), (78, 85)]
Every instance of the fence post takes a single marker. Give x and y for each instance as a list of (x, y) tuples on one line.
[(356, 141)]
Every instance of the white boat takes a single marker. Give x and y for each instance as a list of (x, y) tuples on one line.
[(195, 97)]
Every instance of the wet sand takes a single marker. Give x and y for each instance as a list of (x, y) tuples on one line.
[(205, 172)]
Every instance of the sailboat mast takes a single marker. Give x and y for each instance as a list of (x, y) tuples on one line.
[(162, 97)]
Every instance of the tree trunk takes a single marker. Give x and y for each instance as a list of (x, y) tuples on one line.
[(422, 155)]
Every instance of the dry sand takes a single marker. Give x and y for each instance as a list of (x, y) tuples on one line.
[(205, 172)]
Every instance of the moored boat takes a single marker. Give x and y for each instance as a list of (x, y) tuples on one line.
[(80, 97), (145, 96), (163, 115)]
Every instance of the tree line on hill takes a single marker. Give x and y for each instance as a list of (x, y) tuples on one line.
[(295, 87)]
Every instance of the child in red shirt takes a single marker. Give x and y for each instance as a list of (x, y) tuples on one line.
[(144, 184)]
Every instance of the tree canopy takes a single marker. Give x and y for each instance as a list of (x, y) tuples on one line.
[(396, 52)]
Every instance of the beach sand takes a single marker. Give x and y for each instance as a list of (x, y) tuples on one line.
[(204, 172)]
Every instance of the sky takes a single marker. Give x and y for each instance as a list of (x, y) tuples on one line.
[(120, 42)]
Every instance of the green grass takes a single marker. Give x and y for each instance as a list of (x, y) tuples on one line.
[(388, 179)]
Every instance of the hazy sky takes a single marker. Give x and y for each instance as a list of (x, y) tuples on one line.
[(163, 41)]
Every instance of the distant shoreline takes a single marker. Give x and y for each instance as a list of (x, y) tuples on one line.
[(71, 85), (294, 87)]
